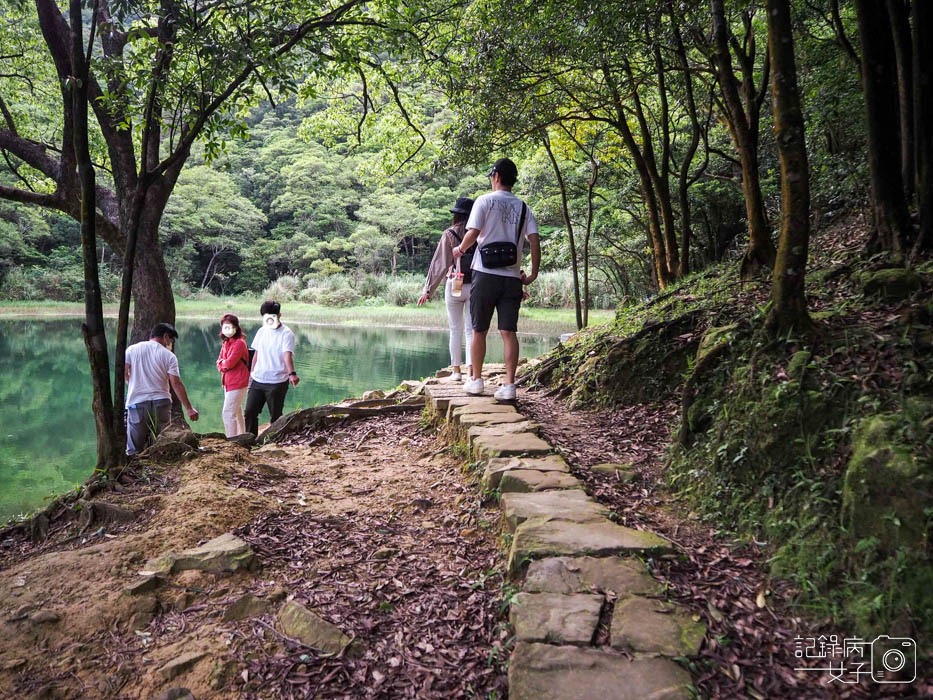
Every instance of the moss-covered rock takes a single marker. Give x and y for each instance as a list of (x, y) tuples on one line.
[(798, 363), (713, 338), (893, 283), (886, 487)]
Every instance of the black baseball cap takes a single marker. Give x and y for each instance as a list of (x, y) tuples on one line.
[(463, 206), (506, 169)]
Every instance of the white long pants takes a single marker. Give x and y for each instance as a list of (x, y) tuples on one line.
[(457, 308), (234, 423)]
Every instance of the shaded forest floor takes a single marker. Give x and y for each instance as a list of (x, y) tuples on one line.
[(367, 523)]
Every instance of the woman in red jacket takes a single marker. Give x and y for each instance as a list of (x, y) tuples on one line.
[(234, 372)]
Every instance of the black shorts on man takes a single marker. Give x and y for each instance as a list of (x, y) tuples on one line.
[(497, 293)]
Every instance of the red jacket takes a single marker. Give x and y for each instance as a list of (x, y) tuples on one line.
[(232, 364)]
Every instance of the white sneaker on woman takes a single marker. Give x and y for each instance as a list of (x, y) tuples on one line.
[(474, 386), (456, 377), (506, 392)]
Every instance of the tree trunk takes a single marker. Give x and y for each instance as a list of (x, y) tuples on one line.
[(903, 57), (565, 210), (787, 287), (923, 116), (109, 452), (761, 252), (879, 73)]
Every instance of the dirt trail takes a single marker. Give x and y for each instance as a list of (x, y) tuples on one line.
[(365, 523)]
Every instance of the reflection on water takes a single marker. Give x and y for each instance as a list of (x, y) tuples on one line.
[(46, 428)]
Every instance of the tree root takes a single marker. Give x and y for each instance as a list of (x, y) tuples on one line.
[(93, 514)]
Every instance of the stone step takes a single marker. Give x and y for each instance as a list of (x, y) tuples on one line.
[(498, 466), (654, 627), (528, 444), (533, 481), (548, 672), (555, 618), (568, 504), (539, 538), (525, 426), (463, 405), (476, 419), (624, 577)]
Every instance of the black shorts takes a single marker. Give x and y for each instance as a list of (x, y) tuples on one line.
[(497, 293)]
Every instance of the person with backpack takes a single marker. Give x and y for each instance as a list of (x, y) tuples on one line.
[(233, 365), (272, 368), (459, 276), (500, 224)]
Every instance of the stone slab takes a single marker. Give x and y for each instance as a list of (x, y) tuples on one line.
[(532, 481), (312, 630), (624, 577), (439, 398), (472, 419), (655, 627), (566, 504), (510, 445), (222, 554), (555, 618), (539, 538), (525, 426), (498, 466), (549, 672), (476, 404)]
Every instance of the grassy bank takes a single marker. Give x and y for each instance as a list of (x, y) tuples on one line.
[(431, 315)]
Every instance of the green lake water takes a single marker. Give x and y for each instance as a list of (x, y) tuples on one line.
[(46, 427)]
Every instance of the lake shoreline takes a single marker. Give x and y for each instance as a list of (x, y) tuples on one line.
[(431, 316)]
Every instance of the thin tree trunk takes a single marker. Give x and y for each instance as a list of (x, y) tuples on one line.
[(923, 119), (787, 287), (903, 56), (891, 216), (761, 251), (566, 212), (109, 452), (590, 187)]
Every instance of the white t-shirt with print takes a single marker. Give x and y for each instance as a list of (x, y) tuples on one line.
[(496, 215), (270, 346), (150, 364)]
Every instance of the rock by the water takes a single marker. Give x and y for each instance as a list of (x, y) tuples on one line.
[(654, 627), (555, 618), (180, 664), (312, 630), (374, 394), (244, 440), (549, 672)]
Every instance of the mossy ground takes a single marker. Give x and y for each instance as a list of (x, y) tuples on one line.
[(817, 443)]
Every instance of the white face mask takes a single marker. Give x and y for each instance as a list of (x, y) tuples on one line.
[(228, 330), (270, 320)]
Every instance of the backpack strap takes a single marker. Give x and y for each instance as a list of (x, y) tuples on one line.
[(521, 225)]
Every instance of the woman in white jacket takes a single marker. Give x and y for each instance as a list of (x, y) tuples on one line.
[(443, 268)]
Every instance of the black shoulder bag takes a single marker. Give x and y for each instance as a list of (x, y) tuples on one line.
[(466, 260), (504, 254)]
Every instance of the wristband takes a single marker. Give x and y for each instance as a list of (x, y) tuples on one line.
[(293, 374)]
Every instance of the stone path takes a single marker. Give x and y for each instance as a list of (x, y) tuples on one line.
[(579, 571)]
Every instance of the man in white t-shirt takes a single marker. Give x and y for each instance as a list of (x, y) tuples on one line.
[(499, 217), (273, 367), (151, 369)]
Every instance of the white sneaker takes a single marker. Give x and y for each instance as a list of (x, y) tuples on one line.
[(474, 386), (506, 392), (456, 377)]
